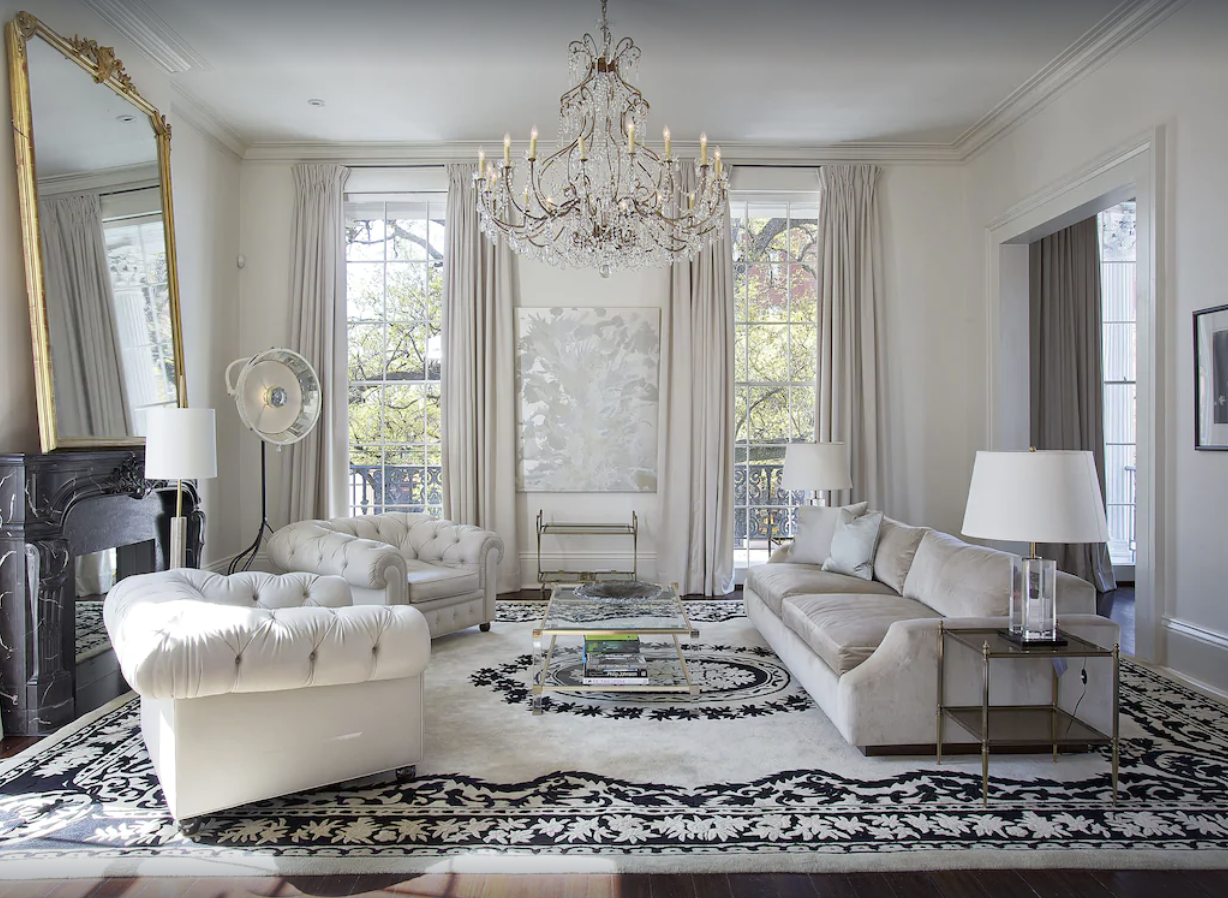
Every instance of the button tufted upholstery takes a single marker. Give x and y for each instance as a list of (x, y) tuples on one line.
[(397, 557), (189, 634), (257, 684)]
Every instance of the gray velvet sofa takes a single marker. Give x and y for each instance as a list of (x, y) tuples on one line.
[(867, 650)]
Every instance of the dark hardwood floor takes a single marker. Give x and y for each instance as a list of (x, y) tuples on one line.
[(946, 884), (1118, 605)]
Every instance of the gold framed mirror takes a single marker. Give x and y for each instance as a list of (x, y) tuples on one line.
[(97, 221)]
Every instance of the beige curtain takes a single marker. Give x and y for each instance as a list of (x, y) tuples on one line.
[(849, 406), (313, 482), (1067, 369), (479, 376), (91, 396), (695, 459)]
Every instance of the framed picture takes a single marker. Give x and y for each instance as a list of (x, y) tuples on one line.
[(1211, 378)]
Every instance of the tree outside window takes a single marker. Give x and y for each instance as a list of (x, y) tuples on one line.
[(394, 312)]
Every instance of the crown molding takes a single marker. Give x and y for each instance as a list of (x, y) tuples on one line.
[(203, 118), (735, 152), (128, 177), (1109, 36), (149, 34)]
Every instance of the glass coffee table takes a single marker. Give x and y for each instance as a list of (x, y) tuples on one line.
[(569, 614)]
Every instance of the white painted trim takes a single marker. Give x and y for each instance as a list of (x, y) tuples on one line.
[(1116, 31), (219, 565), (1202, 634), (1204, 655), (149, 34), (207, 120), (128, 177), (1133, 168), (735, 152)]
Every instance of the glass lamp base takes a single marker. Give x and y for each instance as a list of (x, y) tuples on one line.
[(1021, 639)]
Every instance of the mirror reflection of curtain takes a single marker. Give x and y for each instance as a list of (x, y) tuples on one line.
[(95, 573), (90, 395)]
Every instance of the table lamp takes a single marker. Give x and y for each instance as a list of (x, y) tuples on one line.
[(180, 444), (811, 467), (1051, 496)]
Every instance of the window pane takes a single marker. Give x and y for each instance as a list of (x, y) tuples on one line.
[(775, 259), (395, 306), (1119, 352), (364, 291), (364, 240), (1119, 413)]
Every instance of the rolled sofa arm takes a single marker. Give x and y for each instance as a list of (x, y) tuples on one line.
[(1074, 595), (177, 640), (313, 547)]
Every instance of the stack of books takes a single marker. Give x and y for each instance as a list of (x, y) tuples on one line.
[(614, 661)]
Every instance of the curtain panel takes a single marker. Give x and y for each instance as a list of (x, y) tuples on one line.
[(91, 395), (849, 406), (695, 485), (1067, 369), (313, 478), (479, 376)]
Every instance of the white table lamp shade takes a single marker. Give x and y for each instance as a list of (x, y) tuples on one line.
[(816, 466), (1036, 497), (180, 444)]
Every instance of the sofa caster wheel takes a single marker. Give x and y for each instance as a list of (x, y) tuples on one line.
[(407, 774), (485, 628), (190, 827)]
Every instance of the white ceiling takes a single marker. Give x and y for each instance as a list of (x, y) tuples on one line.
[(784, 72)]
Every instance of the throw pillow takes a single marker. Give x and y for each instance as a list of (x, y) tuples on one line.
[(853, 545), (815, 526), (897, 546)]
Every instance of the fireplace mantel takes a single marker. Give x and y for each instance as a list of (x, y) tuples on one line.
[(54, 507)]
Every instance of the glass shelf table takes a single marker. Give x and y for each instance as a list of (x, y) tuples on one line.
[(571, 615), (1022, 725)]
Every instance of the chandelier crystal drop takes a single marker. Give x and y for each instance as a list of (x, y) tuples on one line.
[(603, 199)]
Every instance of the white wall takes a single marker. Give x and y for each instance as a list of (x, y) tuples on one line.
[(1175, 79), (205, 180)]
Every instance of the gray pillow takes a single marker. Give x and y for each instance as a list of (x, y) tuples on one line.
[(897, 546), (853, 545), (815, 527)]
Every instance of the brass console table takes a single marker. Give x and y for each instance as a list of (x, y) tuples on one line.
[(1002, 725), (551, 578)]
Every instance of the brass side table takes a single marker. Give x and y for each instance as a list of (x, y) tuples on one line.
[(1017, 725)]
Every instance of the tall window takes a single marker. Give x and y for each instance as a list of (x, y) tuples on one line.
[(1119, 313), (775, 362), (394, 304), (136, 257)]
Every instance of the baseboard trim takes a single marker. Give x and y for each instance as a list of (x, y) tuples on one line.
[(1203, 653)]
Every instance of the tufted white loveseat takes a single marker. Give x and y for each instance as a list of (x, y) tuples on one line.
[(257, 685), (447, 571)]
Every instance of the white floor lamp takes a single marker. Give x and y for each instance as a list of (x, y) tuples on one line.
[(180, 444)]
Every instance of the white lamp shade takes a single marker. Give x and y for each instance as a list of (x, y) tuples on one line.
[(180, 444), (816, 466), (1036, 497)]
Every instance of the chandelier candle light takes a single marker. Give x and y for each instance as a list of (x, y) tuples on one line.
[(603, 199)]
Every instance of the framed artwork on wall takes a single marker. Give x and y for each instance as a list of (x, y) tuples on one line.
[(1211, 378)]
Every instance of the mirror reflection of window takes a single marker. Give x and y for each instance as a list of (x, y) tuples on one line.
[(136, 259)]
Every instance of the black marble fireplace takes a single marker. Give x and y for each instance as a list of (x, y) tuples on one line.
[(54, 508)]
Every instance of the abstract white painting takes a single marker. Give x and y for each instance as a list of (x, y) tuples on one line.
[(588, 387)]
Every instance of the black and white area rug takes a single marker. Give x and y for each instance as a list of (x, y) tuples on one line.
[(748, 775), (91, 632)]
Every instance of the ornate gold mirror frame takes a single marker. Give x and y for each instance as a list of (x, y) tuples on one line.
[(102, 65)]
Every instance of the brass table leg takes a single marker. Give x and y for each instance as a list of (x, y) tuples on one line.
[(941, 697), (985, 726), (1116, 701)]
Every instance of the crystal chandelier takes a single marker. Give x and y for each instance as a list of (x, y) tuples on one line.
[(604, 199)]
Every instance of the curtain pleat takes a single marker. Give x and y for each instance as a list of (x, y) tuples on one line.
[(848, 402), (313, 482), (91, 396), (695, 481), (479, 376), (1067, 369)]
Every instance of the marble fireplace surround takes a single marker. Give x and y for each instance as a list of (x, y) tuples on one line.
[(54, 507)]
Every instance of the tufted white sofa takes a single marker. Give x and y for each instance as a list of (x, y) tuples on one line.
[(447, 571), (257, 685)]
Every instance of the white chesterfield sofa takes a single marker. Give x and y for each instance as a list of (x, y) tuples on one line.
[(445, 570), (867, 650), (257, 685)]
